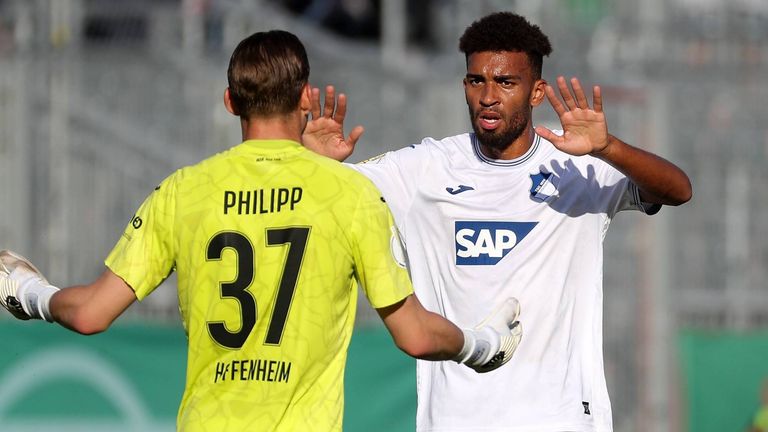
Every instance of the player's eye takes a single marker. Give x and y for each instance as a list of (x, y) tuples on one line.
[(474, 81)]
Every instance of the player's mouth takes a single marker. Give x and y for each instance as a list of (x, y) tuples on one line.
[(488, 120)]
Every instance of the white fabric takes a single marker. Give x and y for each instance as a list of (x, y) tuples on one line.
[(478, 231)]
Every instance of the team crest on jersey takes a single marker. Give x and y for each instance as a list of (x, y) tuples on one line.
[(543, 186), (487, 242)]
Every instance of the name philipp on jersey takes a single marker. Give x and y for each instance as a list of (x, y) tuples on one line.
[(260, 201), (487, 242)]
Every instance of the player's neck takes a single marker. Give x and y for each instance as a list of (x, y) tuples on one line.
[(518, 147), (286, 127)]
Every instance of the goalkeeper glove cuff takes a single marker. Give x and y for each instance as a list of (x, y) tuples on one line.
[(34, 294), (24, 291), (479, 346), (492, 343)]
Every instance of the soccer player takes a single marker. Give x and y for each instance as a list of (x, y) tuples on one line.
[(267, 240), (509, 210)]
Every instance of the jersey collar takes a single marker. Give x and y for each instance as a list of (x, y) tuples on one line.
[(505, 162), (271, 145)]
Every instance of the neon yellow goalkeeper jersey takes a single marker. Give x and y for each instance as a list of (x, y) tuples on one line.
[(267, 240)]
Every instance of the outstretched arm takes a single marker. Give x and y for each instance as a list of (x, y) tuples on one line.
[(585, 131), (324, 133), (427, 335), (421, 333), (90, 309), (86, 309)]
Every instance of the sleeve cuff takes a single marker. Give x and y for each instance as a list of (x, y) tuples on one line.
[(648, 208)]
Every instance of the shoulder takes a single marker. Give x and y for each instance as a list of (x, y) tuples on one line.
[(354, 195), (424, 151), (327, 168), (462, 142), (191, 172)]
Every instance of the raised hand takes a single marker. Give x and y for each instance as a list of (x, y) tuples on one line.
[(585, 130), (324, 133)]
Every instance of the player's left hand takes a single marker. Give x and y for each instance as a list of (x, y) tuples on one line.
[(324, 133), (24, 291), (491, 343), (585, 130)]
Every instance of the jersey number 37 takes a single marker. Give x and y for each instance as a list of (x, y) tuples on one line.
[(296, 238)]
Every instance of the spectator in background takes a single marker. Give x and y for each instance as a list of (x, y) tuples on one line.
[(350, 18), (361, 19)]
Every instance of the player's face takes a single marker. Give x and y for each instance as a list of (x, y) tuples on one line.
[(499, 87)]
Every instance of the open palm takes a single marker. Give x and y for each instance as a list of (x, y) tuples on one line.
[(585, 130), (324, 133)]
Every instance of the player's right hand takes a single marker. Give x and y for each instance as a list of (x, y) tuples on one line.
[(24, 291), (492, 342)]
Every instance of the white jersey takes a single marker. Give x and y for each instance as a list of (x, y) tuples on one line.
[(479, 230)]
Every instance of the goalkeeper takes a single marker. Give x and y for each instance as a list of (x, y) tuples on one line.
[(268, 240)]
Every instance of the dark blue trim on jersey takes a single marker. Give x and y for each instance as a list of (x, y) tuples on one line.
[(648, 208), (500, 162)]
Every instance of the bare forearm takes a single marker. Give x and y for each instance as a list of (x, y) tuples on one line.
[(659, 181), (429, 336), (73, 308), (444, 338), (90, 309), (421, 333)]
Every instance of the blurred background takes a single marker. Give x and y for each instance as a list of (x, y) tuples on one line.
[(101, 99)]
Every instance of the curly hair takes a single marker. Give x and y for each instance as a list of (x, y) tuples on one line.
[(506, 31), (266, 74)]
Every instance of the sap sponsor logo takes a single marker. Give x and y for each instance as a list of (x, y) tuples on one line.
[(487, 242)]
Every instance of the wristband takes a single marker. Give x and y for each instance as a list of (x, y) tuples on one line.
[(477, 347), (33, 294)]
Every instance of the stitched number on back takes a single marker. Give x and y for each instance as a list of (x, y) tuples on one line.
[(236, 289), (296, 239)]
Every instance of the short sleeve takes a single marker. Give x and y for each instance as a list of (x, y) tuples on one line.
[(145, 254), (378, 253), (623, 193)]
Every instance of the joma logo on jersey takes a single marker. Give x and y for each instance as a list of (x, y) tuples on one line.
[(485, 242)]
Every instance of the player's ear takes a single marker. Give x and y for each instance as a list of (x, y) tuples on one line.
[(537, 93), (305, 102), (228, 102)]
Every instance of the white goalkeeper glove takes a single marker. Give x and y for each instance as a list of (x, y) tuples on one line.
[(492, 342), (24, 291)]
